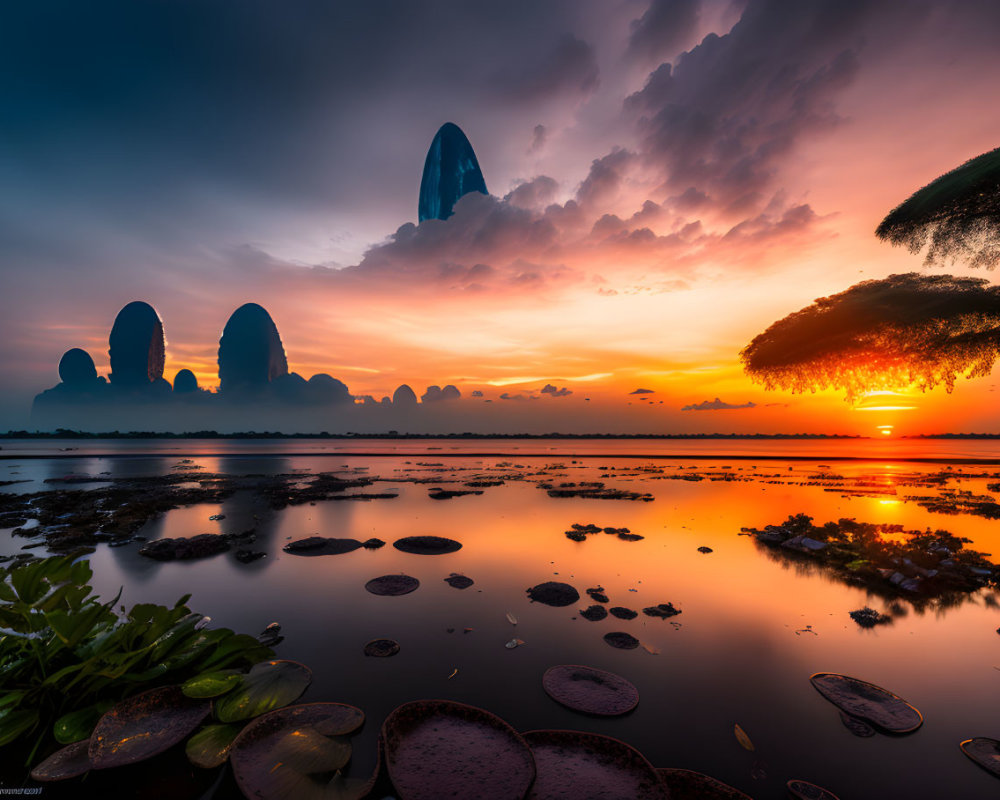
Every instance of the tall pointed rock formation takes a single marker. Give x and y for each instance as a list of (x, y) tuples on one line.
[(450, 171)]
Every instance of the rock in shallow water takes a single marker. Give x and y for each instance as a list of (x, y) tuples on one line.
[(201, 546), (553, 593), (621, 640)]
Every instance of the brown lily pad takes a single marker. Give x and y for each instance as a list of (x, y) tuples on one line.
[(621, 640), (594, 613), (985, 752), (572, 764), (71, 761), (381, 648), (392, 585), (297, 751), (553, 593), (866, 701), (857, 726), (145, 725), (459, 581), (803, 790), (623, 613), (685, 784), (438, 748), (322, 546), (592, 691), (427, 545)]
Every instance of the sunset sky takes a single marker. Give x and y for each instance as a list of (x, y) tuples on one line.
[(666, 180)]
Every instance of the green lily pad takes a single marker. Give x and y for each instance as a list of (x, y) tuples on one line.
[(69, 762), (78, 725), (268, 685), (212, 684), (209, 747), (298, 753), (145, 725)]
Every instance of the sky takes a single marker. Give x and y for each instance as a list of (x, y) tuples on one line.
[(666, 180)]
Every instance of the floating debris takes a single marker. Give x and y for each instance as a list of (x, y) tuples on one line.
[(663, 611), (743, 739), (868, 617), (514, 643)]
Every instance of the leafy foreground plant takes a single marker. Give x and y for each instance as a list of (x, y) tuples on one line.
[(66, 658)]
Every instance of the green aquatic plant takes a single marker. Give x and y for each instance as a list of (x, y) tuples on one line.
[(66, 657)]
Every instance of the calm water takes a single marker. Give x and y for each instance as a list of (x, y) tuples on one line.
[(741, 652)]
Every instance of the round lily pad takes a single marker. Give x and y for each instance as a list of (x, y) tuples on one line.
[(143, 726), (289, 753), (321, 546), (267, 686), (69, 762), (684, 784), (623, 613), (866, 701), (803, 790), (576, 764), (209, 747), (985, 752), (438, 748), (553, 593), (590, 690), (594, 613), (427, 545), (381, 648), (623, 641), (459, 581), (392, 585)]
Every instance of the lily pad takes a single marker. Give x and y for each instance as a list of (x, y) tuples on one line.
[(592, 691), (803, 790), (459, 581), (857, 726), (621, 640), (985, 752), (295, 753), (623, 613), (209, 748), (267, 686), (438, 748), (143, 726), (212, 684), (427, 545), (576, 764), (78, 725), (873, 704), (685, 784), (381, 648), (553, 593), (321, 546), (69, 762), (392, 585), (594, 613)]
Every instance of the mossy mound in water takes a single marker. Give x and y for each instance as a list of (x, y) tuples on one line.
[(917, 565)]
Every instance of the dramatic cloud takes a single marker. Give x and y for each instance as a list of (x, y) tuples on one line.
[(903, 331), (959, 213), (716, 405), (549, 389), (663, 29)]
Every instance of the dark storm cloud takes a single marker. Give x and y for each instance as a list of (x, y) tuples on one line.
[(552, 391), (723, 117), (570, 66), (905, 330), (666, 26), (326, 104)]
